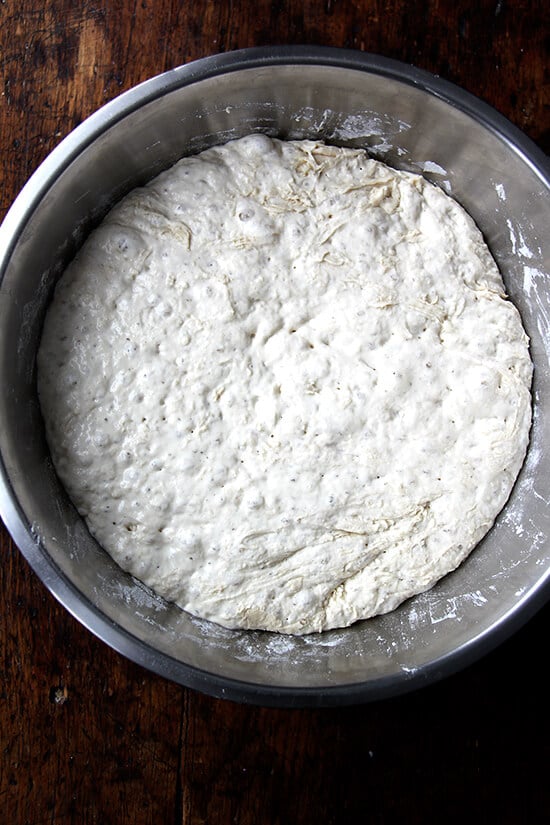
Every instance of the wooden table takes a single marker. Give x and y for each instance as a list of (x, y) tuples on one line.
[(88, 737)]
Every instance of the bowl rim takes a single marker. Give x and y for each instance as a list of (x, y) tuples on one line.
[(24, 534)]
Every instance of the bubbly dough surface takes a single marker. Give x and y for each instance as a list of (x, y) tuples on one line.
[(283, 385)]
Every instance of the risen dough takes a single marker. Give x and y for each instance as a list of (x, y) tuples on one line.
[(283, 385)]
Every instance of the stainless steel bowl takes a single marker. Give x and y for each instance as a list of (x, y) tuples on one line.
[(403, 116)]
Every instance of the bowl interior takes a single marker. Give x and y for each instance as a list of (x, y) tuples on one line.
[(420, 126)]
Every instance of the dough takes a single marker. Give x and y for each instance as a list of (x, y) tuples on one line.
[(283, 385)]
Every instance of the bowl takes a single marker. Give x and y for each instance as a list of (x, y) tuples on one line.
[(403, 116)]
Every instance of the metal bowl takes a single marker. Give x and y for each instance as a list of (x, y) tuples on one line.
[(403, 116)]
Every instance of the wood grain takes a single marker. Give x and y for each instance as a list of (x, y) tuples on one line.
[(88, 737)]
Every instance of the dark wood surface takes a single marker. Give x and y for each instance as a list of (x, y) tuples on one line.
[(88, 737)]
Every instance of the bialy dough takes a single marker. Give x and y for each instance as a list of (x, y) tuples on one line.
[(283, 385)]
